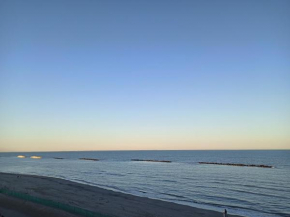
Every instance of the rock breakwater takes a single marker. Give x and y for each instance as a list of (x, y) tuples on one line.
[(160, 161), (238, 165), (92, 159)]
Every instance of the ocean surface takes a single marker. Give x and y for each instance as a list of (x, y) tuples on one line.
[(248, 191)]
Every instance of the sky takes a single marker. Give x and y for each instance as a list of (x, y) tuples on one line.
[(144, 75)]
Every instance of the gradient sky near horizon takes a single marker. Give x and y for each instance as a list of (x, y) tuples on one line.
[(144, 75)]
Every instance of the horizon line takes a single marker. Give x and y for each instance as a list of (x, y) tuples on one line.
[(155, 150)]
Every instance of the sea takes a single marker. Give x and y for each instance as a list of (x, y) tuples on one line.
[(247, 191)]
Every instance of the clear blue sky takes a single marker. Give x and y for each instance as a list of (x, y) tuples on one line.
[(119, 75)]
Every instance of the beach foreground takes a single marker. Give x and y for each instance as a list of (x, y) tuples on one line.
[(13, 207), (90, 198)]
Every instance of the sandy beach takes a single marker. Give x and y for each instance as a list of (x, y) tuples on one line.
[(87, 197), (13, 207)]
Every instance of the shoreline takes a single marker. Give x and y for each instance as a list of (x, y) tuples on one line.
[(96, 199)]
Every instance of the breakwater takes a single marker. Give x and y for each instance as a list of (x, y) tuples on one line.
[(237, 165), (92, 159), (160, 161)]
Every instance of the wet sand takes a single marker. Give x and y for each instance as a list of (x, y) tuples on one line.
[(13, 207), (87, 197)]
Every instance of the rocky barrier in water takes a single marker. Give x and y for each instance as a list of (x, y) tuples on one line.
[(36, 157), (92, 159), (238, 165), (21, 156), (160, 161)]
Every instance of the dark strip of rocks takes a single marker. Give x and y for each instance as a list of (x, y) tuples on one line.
[(59, 158), (238, 165), (160, 161), (92, 159)]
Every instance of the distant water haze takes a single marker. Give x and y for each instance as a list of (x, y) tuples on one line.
[(140, 141)]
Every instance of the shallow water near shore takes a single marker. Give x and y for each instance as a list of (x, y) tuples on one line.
[(255, 192)]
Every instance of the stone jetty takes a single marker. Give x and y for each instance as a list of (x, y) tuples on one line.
[(36, 157), (160, 161), (21, 156), (238, 165), (92, 159)]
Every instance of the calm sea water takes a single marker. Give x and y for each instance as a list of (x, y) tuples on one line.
[(255, 192)]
